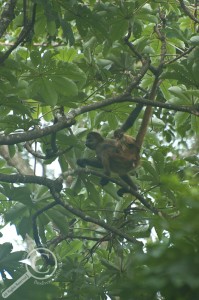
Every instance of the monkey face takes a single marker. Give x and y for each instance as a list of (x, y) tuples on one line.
[(93, 139)]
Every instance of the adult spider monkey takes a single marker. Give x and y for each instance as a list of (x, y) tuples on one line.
[(119, 155), (131, 147)]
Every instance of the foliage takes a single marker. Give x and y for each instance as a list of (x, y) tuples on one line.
[(70, 67)]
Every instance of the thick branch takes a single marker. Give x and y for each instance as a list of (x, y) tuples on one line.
[(69, 119), (156, 83), (18, 178), (7, 16), (16, 161), (118, 182), (53, 186), (89, 219), (126, 98), (36, 133), (80, 214), (34, 222)]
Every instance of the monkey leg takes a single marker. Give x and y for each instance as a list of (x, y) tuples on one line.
[(105, 158), (83, 162), (128, 180)]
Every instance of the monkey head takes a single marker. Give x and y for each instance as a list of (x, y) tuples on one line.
[(93, 139)]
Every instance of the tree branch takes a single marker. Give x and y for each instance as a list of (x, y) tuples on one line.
[(7, 16), (61, 238), (34, 222), (22, 36), (55, 185), (39, 155), (118, 182), (12, 139), (16, 161), (127, 98), (180, 56), (187, 12), (68, 121), (89, 219), (137, 80), (134, 50)]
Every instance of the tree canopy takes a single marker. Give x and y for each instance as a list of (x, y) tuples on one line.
[(71, 67)]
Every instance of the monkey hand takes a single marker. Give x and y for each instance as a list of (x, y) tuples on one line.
[(104, 181), (81, 162), (118, 134), (121, 192)]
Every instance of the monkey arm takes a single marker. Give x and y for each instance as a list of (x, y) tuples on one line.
[(132, 117), (83, 162), (129, 121)]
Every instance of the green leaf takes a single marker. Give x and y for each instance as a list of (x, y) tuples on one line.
[(47, 91), (149, 17), (58, 219), (67, 31), (25, 226), (118, 29), (51, 27), (91, 43), (158, 158), (15, 212), (35, 57), (177, 91), (194, 40), (150, 169), (137, 29), (92, 192), (65, 86), (109, 265), (47, 113), (21, 194), (195, 69), (181, 118), (40, 25), (195, 124), (13, 257), (5, 249), (73, 72), (67, 55)]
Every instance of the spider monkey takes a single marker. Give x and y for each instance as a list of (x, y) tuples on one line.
[(119, 155), (109, 157)]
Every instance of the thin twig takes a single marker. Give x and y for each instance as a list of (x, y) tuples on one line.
[(187, 11)]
